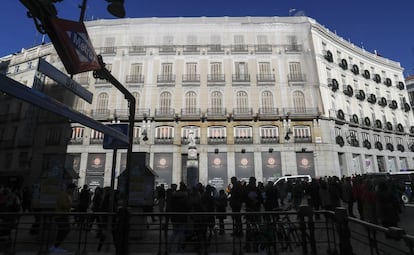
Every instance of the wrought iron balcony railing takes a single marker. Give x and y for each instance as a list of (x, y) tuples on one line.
[(216, 78), (215, 48), (136, 49), (296, 77), (100, 114), (269, 140), (191, 78), (134, 78), (265, 77), (166, 78), (263, 48), (241, 77)]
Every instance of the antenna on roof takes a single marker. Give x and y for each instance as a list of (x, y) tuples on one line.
[(291, 10)]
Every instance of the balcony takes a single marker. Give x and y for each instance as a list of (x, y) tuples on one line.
[(76, 141), (167, 50), (190, 114), (243, 113), (136, 50), (243, 140), (241, 78), (165, 114), (296, 77), (123, 114), (301, 112), (216, 79), (265, 79), (303, 139), (293, 48), (165, 140), (216, 140), (266, 113), (82, 80), (107, 50), (100, 114), (191, 78), (215, 48), (166, 80), (239, 48), (185, 140), (134, 78), (263, 48), (216, 114), (136, 140), (269, 140), (191, 49), (96, 141)]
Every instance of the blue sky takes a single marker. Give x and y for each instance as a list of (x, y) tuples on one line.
[(384, 26)]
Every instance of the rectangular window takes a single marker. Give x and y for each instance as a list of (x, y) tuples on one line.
[(262, 39), (243, 132), (136, 69), (216, 132), (96, 135), (164, 132), (295, 70), (301, 131), (167, 69), (269, 132), (191, 69), (264, 68), (215, 68), (77, 132)]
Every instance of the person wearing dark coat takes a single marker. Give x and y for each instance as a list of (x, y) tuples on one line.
[(221, 205), (236, 200), (179, 204), (271, 202), (387, 206)]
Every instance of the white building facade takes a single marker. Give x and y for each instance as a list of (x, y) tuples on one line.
[(264, 97)]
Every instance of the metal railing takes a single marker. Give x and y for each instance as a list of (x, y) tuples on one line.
[(274, 232)]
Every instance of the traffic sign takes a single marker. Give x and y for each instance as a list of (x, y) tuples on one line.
[(35, 97), (62, 79), (73, 45), (110, 142)]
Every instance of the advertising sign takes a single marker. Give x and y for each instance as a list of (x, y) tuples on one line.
[(244, 164), (271, 166), (96, 163), (73, 45), (163, 166), (305, 163), (217, 170)]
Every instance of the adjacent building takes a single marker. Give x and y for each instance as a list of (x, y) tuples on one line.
[(260, 96)]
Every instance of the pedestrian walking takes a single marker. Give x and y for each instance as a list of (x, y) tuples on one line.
[(63, 205)]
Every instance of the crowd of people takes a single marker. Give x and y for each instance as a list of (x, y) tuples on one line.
[(374, 200)]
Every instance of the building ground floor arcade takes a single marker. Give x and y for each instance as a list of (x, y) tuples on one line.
[(217, 164)]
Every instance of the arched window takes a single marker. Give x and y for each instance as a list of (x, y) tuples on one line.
[(165, 101), (216, 101), (299, 102), (190, 101), (242, 100), (102, 104), (267, 100)]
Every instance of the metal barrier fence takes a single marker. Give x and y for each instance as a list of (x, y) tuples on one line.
[(133, 232)]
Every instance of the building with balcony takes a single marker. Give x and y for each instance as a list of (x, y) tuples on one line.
[(264, 97)]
